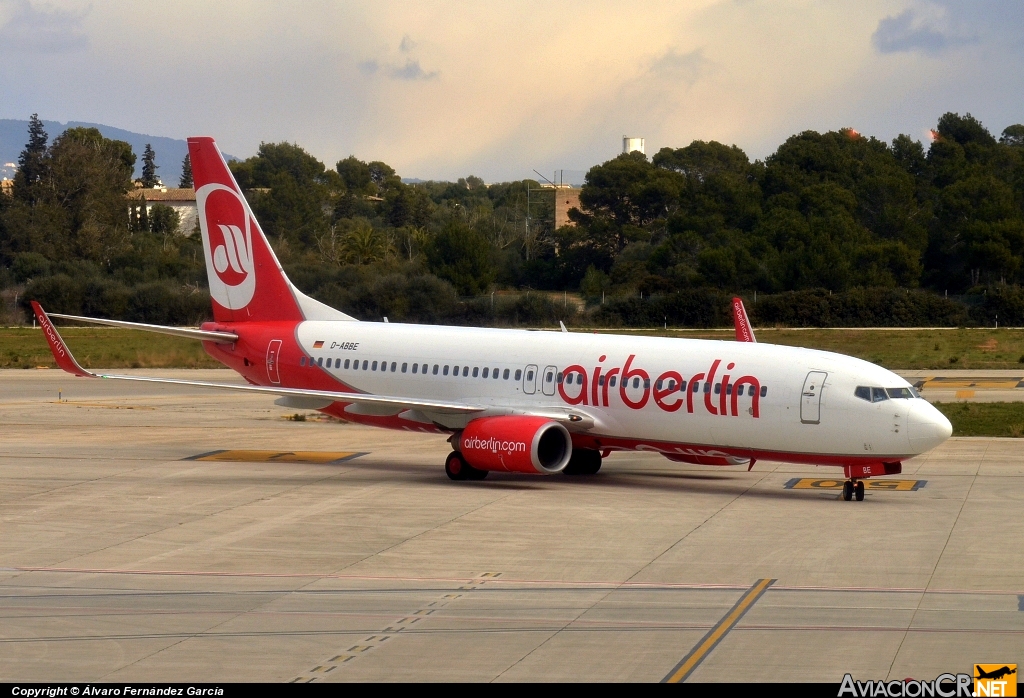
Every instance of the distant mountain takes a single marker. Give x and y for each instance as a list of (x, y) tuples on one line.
[(169, 151)]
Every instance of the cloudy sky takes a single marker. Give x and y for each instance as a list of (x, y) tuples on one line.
[(442, 89)]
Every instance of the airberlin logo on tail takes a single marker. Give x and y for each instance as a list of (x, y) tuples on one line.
[(717, 391), (227, 244), (233, 253)]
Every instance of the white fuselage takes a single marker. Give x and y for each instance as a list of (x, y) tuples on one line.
[(806, 401)]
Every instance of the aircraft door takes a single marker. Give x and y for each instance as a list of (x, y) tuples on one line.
[(810, 397), (548, 377), (273, 357), (530, 379)]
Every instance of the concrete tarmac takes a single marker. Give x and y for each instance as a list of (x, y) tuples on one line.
[(123, 560), (968, 386)]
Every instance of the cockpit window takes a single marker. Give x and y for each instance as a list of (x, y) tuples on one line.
[(879, 394)]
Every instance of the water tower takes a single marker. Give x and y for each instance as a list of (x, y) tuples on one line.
[(630, 143)]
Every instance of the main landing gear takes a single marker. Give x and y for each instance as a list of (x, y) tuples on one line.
[(583, 461), (456, 467), (853, 488)]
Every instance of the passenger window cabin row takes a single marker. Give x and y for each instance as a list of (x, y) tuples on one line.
[(417, 368), (506, 374)]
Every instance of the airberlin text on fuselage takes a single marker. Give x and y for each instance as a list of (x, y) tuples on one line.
[(665, 390)]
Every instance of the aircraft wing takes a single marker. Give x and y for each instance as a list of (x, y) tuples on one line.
[(67, 362), (191, 333), (744, 332)]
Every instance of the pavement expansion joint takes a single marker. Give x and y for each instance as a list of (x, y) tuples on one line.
[(372, 642)]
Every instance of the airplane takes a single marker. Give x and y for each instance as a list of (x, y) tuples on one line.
[(996, 674), (525, 401)]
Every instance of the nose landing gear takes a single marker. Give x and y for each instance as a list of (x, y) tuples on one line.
[(853, 488)]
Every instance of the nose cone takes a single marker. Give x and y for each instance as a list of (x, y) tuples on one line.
[(927, 426)]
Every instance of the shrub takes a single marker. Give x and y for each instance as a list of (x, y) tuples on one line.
[(30, 265), (59, 294)]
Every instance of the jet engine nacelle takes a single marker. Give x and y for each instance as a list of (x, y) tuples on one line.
[(516, 444)]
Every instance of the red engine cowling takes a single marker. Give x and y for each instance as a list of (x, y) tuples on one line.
[(516, 444)]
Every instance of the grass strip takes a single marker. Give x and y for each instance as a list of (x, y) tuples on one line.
[(984, 418), (101, 347)]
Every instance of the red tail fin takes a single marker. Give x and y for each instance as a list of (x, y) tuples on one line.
[(246, 280), (744, 332)]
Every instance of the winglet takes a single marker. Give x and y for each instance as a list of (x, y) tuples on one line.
[(61, 353), (744, 332)]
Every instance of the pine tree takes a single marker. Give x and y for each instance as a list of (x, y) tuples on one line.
[(186, 173), (31, 161), (149, 168)]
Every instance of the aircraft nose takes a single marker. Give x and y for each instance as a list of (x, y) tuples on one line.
[(927, 426)]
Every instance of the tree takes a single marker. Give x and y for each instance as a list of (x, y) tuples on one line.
[(1013, 135), (407, 205), (163, 220), (699, 160), (909, 154), (383, 175), (981, 231), (964, 129), (462, 256), (292, 197), (79, 210), (355, 173), (30, 163), (186, 173), (629, 190), (149, 168)]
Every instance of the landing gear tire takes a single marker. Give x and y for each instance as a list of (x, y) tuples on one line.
[(858, 491), (848, 490), (456, 468), (583, 461)]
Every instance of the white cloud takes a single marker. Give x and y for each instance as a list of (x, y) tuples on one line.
[(926, 28), (681, 67), (411, 71), (26, 27), (443, 88)]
